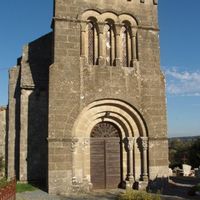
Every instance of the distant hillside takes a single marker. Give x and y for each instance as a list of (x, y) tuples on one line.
[(185, 139)]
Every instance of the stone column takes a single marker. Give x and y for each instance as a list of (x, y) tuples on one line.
[(131, 142), (74, 146), (144, 141), (24, 118), (13, 108), (133, 47), (87, 185), (86, 142), (117, 47), (83, 40), (101, 59)]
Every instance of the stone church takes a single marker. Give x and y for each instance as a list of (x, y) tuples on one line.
[(87, 104)]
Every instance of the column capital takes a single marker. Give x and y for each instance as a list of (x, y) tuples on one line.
[(101, 27), (131, 142), (145, 142), (133, 32), (85, 143), (83, 26), (118, 30), (74, 143)]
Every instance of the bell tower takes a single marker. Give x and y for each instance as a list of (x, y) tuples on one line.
[(106, 71)]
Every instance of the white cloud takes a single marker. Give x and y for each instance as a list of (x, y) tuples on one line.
[(183, 83)]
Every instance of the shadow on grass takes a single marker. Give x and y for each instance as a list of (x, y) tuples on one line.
[(180, 187)]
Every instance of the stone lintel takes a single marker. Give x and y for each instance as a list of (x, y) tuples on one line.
[(69, 19)]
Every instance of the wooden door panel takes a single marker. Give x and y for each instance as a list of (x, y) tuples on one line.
[(105, 162), (112, 163), (97, 163)]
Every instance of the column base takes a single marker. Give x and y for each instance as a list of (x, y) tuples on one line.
[(133, 63), (145, 178), (86, 185), (130, 182), (141, 185), (83, 60), (101, 61), (81, 187), (117, 62)]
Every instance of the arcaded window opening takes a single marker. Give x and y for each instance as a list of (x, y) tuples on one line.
[(125, 47), (91, 43), (109, 40)]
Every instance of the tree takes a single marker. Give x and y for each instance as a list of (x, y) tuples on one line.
[(194, 154)]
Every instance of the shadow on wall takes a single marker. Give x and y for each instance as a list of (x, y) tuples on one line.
[(39, 59), (37, 152), (17, 125), (33, 77)]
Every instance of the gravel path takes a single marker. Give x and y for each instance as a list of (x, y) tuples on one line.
[(177, 189), (40, 195), (113, 195)]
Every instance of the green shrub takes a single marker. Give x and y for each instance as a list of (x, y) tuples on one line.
[(197, 187), (3, 182), (2, 167), (138, 195)]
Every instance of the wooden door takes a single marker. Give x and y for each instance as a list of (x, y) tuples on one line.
[(105, 160)]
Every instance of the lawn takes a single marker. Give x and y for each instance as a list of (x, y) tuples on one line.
[(24, 187)]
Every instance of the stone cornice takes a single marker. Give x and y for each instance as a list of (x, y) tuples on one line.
[(158, 139), (49, 139)]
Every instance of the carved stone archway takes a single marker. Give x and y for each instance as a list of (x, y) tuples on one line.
[(133, 133)]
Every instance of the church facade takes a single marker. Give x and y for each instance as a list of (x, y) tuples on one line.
[(87, 104)]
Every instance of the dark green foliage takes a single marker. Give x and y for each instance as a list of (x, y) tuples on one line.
[(195, 154), (138, 195), (1, 166), (3, 182), (178, 152), (193, 190), (1, 162), (184, 151)]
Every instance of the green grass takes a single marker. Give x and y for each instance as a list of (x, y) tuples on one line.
[(138, 195), (24, 187), (20, 187)]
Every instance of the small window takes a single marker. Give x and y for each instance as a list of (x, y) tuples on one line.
[(126, 46), (91, 44)]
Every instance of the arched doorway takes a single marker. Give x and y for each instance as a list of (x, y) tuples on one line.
[(105, 156), (104, 118)]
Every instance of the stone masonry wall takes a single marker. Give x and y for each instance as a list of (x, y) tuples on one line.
[(13, 122), (2, 134), (35, 62), (28, 113)]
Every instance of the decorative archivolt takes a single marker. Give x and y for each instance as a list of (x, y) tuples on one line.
[(124, 116), (109, 39)]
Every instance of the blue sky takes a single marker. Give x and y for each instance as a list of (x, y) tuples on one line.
[(27, 20)]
